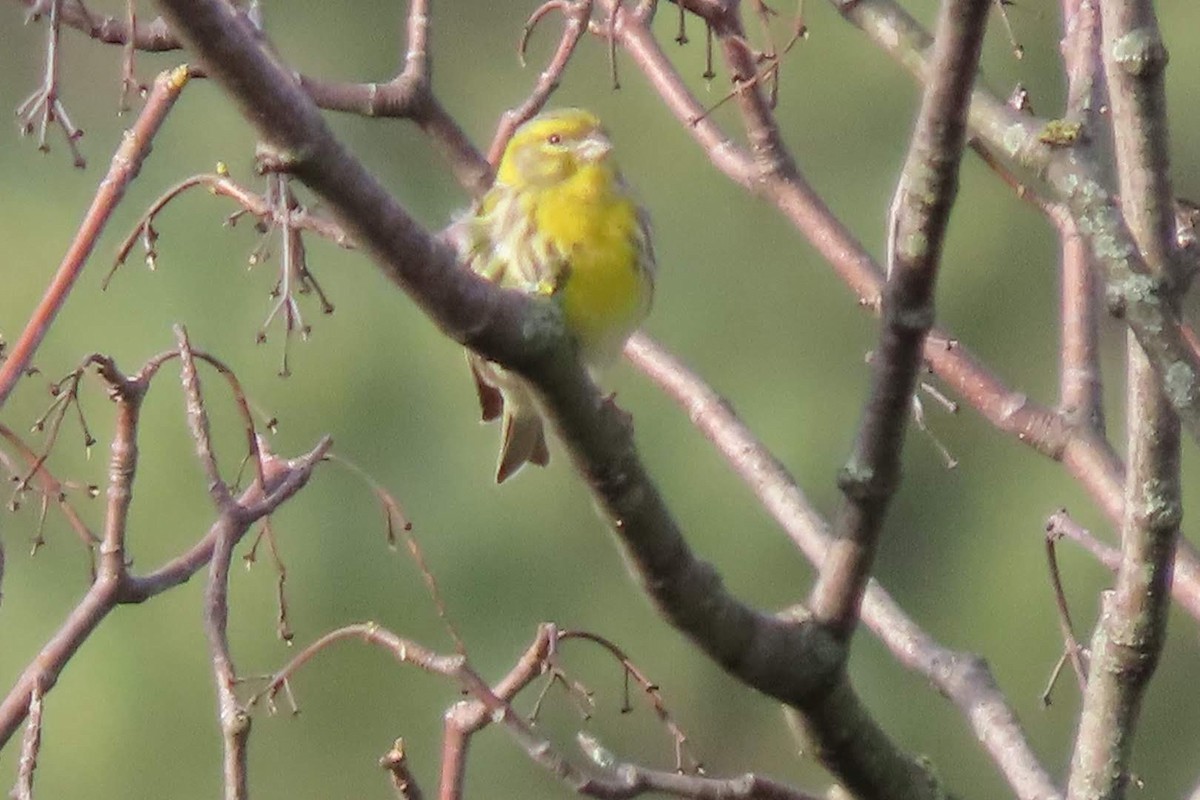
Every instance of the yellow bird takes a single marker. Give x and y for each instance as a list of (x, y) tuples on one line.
[(559, 222)]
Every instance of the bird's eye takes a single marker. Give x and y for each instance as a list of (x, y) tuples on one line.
[(554, 138)]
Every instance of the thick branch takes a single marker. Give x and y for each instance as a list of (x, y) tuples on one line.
[(1076, 178), (962, 677), (920, 216), (1085, 453), (792, 661), (1129, 638), (468, 308), (1130, 635)]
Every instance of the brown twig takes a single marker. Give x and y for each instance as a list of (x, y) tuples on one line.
[(404, 783), (466, 718), (295, 277), (127, 160), (1080, 382), (34, 473), (576, 16), (42, 673), (1072, 651), (409, 95), (66, 396), (151, 37), (624, 780), (43, 108), (1063, 526), (398, 526), (263, 207), (266, 532), (283, 479), (277, 211), (686, 762), (197, 418), (114, 584), (234, 718), (487, 705), (495, 707)]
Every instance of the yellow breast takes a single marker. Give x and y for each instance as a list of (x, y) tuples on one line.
[(605, 295)]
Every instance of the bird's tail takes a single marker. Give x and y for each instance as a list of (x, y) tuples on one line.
[(523, 439), (522, 435)]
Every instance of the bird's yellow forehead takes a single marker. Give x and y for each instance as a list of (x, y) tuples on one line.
[(569, 123)]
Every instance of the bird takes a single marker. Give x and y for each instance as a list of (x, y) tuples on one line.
[(560, 223)]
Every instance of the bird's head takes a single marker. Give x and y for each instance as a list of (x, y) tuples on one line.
[(552, 147)]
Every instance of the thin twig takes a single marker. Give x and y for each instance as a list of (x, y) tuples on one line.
[(153, 36), (263, 207), (398, 526), (197, 417), (576, 14), (126, 163), (234, 719), (1080, 384), (43, 108), (114, 584), (1072, 651), (621, 781), (404, 783), (685, 760)]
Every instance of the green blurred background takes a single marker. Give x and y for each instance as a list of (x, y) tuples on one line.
[(741, 297)]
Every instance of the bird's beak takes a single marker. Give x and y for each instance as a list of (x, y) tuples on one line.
[(594, 147)]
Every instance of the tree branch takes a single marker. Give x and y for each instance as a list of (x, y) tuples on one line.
[(1129, 639), (919, 218), (113, 584), (1080, 386), (409, 95), (792, 661), (153, 36), (1085, 453), (486, 705), (1133, 294), (126, 163), (576, 15), (964, 678)]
